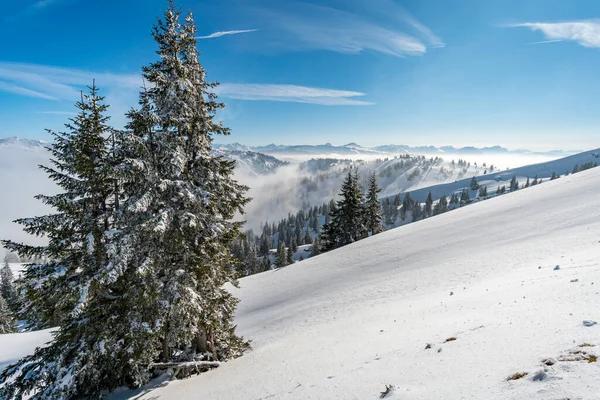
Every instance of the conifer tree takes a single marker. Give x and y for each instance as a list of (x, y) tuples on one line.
[(474, 184), (464, 196), (553, 177), (7, 286), (407, 203), (482, 191), (441, 206), (417, 211), (514, 184), (293, 245), (71, 288), (372, 212), (150, 290), (281, 256), (453, 200), (346, 225), (265, 246), (315, 249), (7, 323), (428, 205), (307, 237), (180, 203), (289, 256)]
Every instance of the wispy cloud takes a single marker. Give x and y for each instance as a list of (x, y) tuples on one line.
[(59, 83), (585, 32), (52, 83), (12, 88), (225, 33), (291, 93), (382, 27), (57, 112), (547, 41)]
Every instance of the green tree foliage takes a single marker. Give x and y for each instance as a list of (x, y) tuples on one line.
[(7, 286), (347, 221), (474, 185), (372, 211), (7, 323)]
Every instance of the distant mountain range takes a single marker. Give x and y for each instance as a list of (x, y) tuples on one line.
[(354, 149)]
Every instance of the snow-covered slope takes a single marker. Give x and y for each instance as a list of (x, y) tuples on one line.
[(542, 170), (344, 324)]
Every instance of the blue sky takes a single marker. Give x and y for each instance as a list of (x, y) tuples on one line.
[(518, 73)]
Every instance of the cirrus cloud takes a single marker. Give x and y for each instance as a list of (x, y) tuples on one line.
[(585, 32), (290, 93)]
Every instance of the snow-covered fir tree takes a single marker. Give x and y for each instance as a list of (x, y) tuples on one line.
[(347, 222), (179, 208), (289, 256), (372, 212), (7, 286), (474, 185), (7, 322), (482, 191), (72, 288), (429, 205), (281, 258)]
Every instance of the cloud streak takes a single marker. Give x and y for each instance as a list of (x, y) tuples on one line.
[(225, 33), (57, 112), (12, 88), (303, 26), (290, 93), (585, 32), (52, 83)]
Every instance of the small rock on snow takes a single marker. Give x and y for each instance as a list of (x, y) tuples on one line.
[(589, 323), (557, 268), (541, 375)]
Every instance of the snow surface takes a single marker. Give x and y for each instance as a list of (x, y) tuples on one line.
[(13, 346), (346, 323)]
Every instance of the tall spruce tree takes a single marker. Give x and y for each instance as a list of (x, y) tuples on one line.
[(72, 288), (346, 225), (474, 185), (7, 286), (180, 206), (7, 323), (514, 184), (281, 258), (428, 205), (372, 212)]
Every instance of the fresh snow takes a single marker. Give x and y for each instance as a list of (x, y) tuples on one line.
[(349, 322), (13, 346)]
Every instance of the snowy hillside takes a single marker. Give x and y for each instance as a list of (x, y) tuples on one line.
[(250, 162), (493, 180), (479, 286)]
